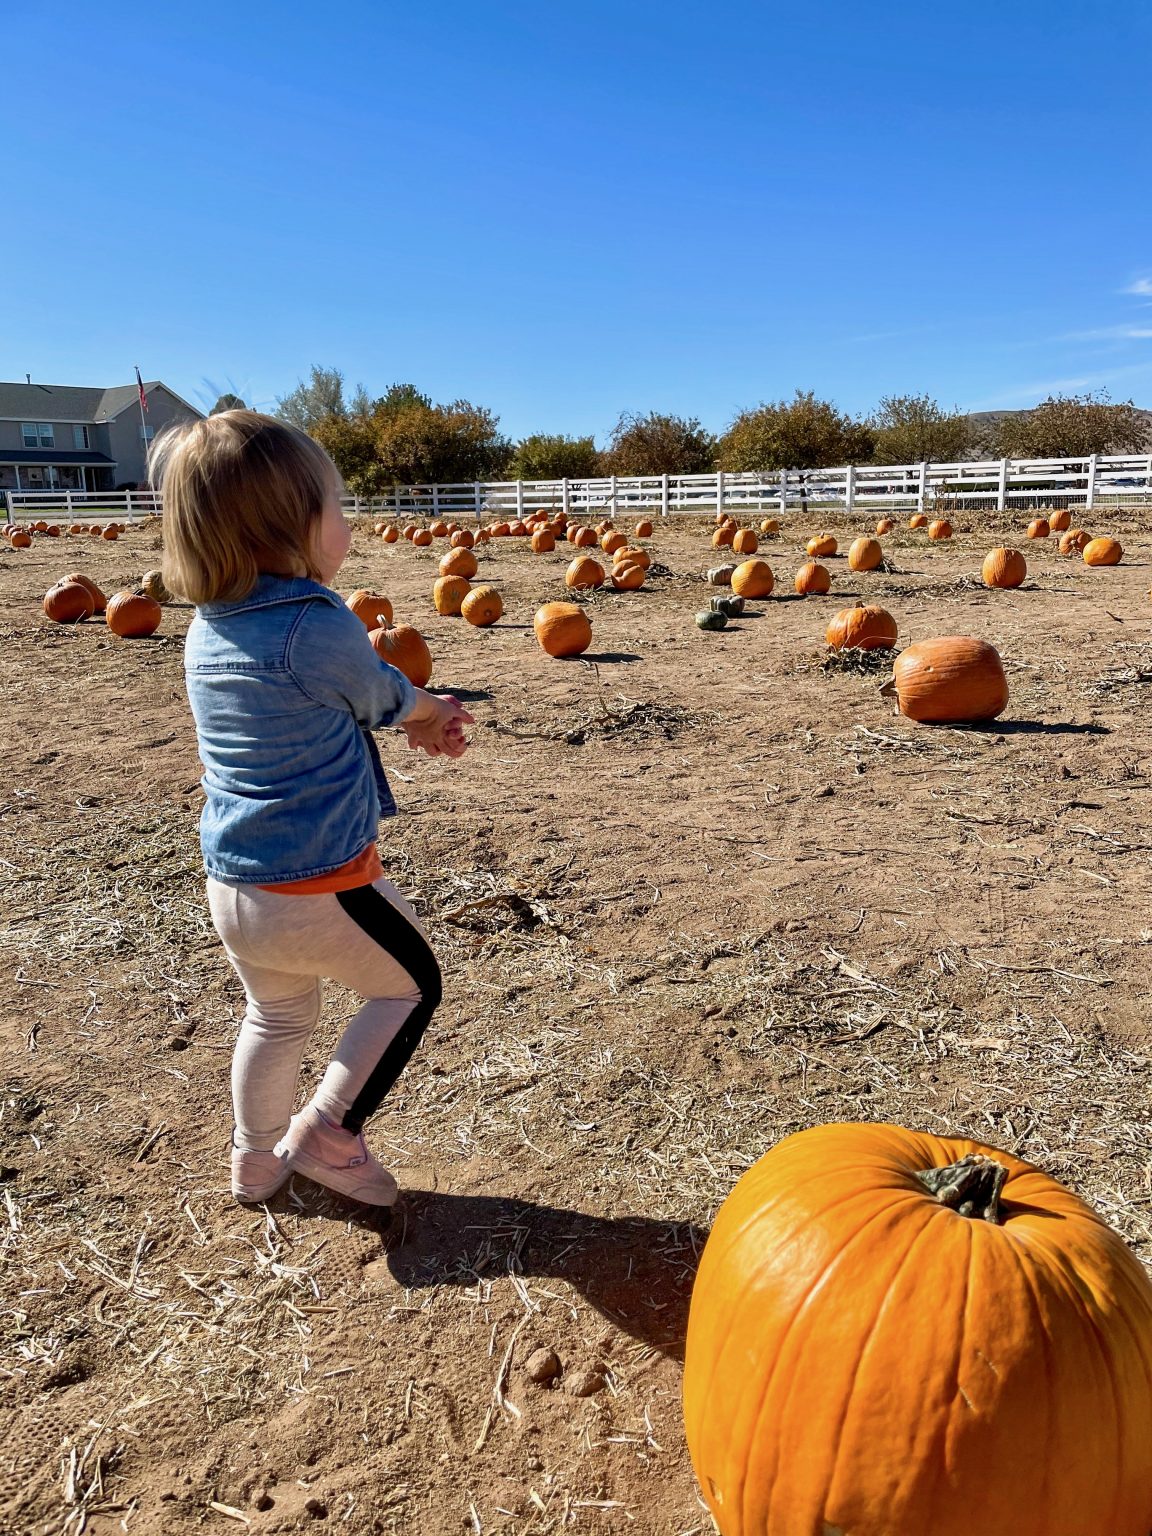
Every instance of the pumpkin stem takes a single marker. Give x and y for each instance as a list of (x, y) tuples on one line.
[(970, 1187)]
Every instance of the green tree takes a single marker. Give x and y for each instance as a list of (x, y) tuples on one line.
[(1069, 426), (228, 402), (424, 444), (315, 400), (911, 429), (552, 456), (658, 445), (350, 441), (802, 433), (398, 397)]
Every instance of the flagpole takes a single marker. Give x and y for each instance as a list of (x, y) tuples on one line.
[(143, 432)]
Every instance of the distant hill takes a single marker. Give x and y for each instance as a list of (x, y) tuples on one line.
[(982, 422)]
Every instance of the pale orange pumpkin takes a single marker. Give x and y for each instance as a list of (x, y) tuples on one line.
[(865, 554), (644, 529), (404, 648), (753, 578), (862, 628), (1058, 522), (820, 547), (885, 525), (1038, 528), (584, 538), (370, 608), (132, 615), (812, 578), (745, 542), (584, 572), (68, 602), (722, 538), (459, 562), (898, 1334), (448, 592), (1103, 551), (770, 525), (482, 607), (1003, 568), (941, 528), (950, 679), (918, 520)]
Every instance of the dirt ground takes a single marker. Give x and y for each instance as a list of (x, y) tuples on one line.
[(691, 893)]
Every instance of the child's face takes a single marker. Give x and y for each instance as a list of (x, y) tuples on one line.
[(331, 539)]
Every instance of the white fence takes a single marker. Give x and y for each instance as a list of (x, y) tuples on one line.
[(998, 483)]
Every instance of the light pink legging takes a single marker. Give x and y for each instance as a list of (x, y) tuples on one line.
[(281, 948)]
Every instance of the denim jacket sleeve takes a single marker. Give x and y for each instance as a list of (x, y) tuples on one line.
[(332, 660)]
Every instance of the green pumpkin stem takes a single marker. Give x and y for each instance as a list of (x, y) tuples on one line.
[(971, 1187)]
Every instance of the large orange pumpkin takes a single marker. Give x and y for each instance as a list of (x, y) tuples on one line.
[(482, 606), (448, 592), (862, 628), (1004, 568), (459, 562), (745, 542), (405, 649), (133, 615), (99, 601), (821, 546), (950, 679), (633, 557), (865, 554), (812, 578), (898, 1334), (391, 533), (753, 578), (722, 538), (563, 629), (1102, 552), (370, 608), (68, 602), (584, 572), (543, 541)]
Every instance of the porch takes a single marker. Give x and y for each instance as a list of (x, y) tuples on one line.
[(27, 469)]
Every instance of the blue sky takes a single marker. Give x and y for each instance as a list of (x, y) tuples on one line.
[(566, 212)]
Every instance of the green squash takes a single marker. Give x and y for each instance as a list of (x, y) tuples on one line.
[(711, 618)]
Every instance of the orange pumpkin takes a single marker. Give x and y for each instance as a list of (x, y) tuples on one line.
[(1059, 521), (562, 629), (918, 520), (635, 556), (404, 648), (812, 578), (99, 601), (885, 525), (439, 529), (132, 615), (864, 554), (940, 529), (722, 538), (584, 572), (1074, 541), (95, 532), (422, 538), (459, 562), (753, 578), (463, 538), (482, 606), (111, 533), (517, 529), (20, 539), (770, 525), (584, 538), (745, 542), (950, 679), (898, 1334), (627, 576), (1102, 552), (644, 529), (370, 608), (391, 533), (543, 541), (53, 530), (862, 628), (448, 592), (1038, 528), (40, 527), (822, 546), (1003, 568), (68, 602), (76, 528)]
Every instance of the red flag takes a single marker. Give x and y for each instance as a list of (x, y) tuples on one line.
[(140, 387)]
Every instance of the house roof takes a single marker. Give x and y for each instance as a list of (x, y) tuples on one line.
[(52, 456), (73, 402)]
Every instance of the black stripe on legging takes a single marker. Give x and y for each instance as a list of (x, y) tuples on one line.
[(387, 926)]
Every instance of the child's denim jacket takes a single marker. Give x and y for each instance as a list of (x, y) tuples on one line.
[(285, 689)]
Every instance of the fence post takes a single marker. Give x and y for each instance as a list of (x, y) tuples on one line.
[(664, 495), (476, 498), (519, 500), (922, 488), (850, 489), (564, 495), (1002, 487), (783, 492), (435, 502), (396, 501), (719, 492), (1091, 488), (612, 495)]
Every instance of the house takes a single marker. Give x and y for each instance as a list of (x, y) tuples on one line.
[(62, 437)]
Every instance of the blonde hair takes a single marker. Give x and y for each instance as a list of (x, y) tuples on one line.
[(241, 494)]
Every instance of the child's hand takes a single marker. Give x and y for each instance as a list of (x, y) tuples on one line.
[(437, 723)]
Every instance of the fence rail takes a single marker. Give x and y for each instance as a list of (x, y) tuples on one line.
[(998, 483)]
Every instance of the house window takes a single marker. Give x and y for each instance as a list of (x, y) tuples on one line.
[(147, 434), (38, 434), (80, 437)]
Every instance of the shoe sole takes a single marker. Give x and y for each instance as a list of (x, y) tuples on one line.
[(341, 1181), (253, 1196)]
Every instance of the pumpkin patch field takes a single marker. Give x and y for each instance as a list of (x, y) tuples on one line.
[(718, 870)]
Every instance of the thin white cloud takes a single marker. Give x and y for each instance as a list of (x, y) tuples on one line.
[(1029, 394), (1142, 287), (1110, 333)]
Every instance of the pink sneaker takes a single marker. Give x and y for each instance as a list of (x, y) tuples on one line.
[(335, 1158), (256, 1176)]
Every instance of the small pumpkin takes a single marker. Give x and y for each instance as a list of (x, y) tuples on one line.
[(885, 525), (1058, 522), (584, 538), (1003, 568), (918, 520), (463, 538), (745, 542), (404, 648), (723, 537), (95, 532), (76, 528), (40, 527), (584, 572), (111, 533), (422, 538), (821, 546), (812, 578), (68, 602), (711, 618), (1102, 551), (458, 562), (720, 575), (53, 530), (482, 607), (1039, 528), (862, 628), (152, 582), (770, 525), (132, 615), (20, 539), (633, 556), (865, 554), (1074, 541), (448, 592), (753, 578), (439, 529), (644, 529), (543, 541), (391, 534), (99, 601), (940, 528), (370, 608), (627, 576), (563, 629), (951, 679)]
